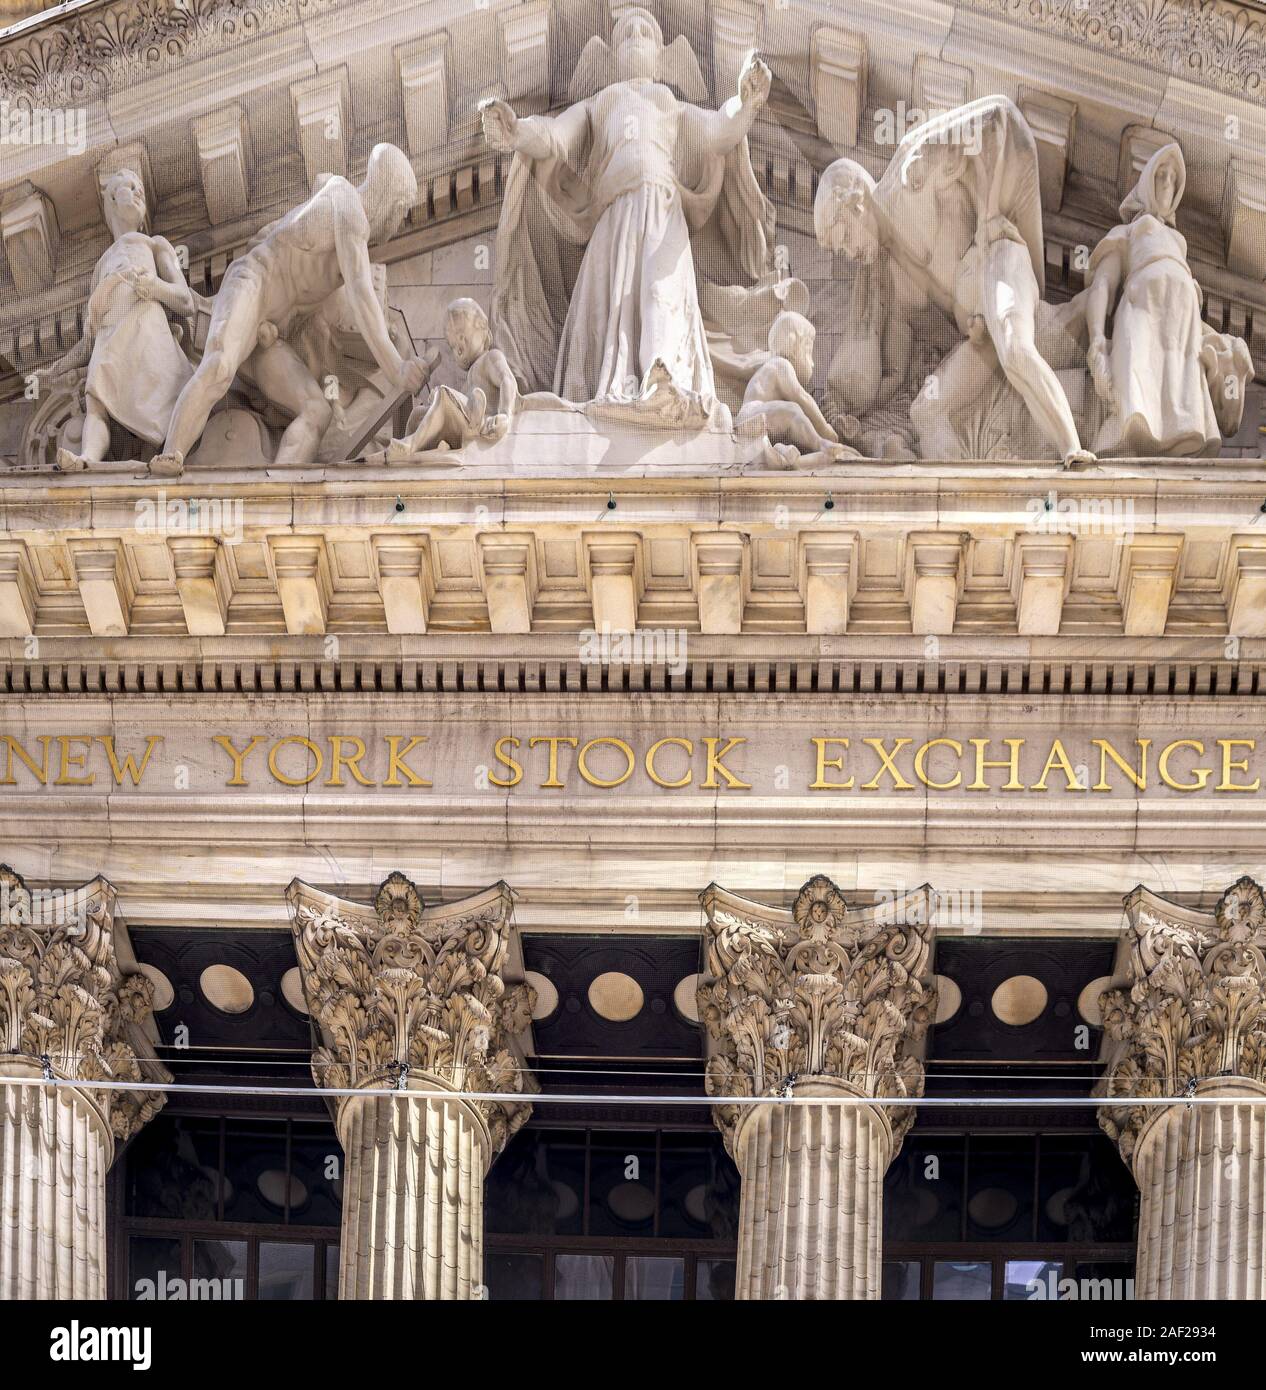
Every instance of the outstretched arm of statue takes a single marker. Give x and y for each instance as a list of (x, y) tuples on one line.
[(726, 127), (351, 245), (1100, 296), (536, 137)]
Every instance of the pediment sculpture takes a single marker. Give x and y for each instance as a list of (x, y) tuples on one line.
[(955, 225), (642, 308), (289, 343), (139, 310)]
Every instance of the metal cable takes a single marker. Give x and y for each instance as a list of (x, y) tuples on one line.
[(504, 1097)]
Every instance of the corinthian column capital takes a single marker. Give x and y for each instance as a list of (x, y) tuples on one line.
[(72, 1002), (1184, 1011), (821, 993), (414, 997)]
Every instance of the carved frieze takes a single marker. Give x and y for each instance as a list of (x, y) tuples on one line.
[(1185, 1005), (67, 1003), (1224, 43), (108, 47), (407, 994), (820, 991)]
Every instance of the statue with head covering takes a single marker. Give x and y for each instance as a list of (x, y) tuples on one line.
[(1173, 384), (610, 209)]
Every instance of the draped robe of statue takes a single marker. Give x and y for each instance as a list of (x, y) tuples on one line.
[(634, 241), (1160, 344)]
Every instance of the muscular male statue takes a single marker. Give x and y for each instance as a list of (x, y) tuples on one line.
[(291, 267)]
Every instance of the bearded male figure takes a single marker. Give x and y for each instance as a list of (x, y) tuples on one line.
[(631, 174)]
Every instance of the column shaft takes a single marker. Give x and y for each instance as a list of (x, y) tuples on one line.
[(413, 1204), (811, 1214), (54, 1154), (1201, 1172)]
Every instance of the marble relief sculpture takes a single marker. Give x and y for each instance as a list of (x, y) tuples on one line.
[(137, 290), (779, 407), (638, 287), (1174, 384), (635, 177), (958, 214), (453, 419), (291, 269)]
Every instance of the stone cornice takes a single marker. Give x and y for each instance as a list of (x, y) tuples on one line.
[(817, 992), (423, 997), (1218, 43), (66, 1002), (1127, 552), (60, 57), (1187, 1005)]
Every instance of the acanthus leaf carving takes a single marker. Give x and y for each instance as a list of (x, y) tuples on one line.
[(832, 993), (406, 993), (1186, 1006), (66, 1003)]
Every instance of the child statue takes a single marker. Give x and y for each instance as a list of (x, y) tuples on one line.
[(779, 405), (452, 419)]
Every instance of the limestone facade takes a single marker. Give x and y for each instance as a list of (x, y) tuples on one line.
[(872, 567)]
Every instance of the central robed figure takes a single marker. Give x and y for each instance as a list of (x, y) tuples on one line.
[(641, 189)]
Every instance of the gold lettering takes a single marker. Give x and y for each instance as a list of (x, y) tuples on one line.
[(1107, 751), (1058, 758), (237, 780), (715, 765), (920, 763), (650, 761), (553, 740), (1162, 766), (74, 760), (630, 761), (295, 781), (516, 769), (396, 761), (1228, 767), (339, 759), (12, 746), (129, 763), (1011, 762), (899, 783), (819, 783)]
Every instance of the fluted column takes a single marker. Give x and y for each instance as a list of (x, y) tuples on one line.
[(827, 1007), (1184, 1017), (68, 1012), (415, 1005)]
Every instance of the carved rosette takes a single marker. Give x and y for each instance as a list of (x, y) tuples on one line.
[(424, 998), (66, 1000), (818, 992), (1185, 1005)]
